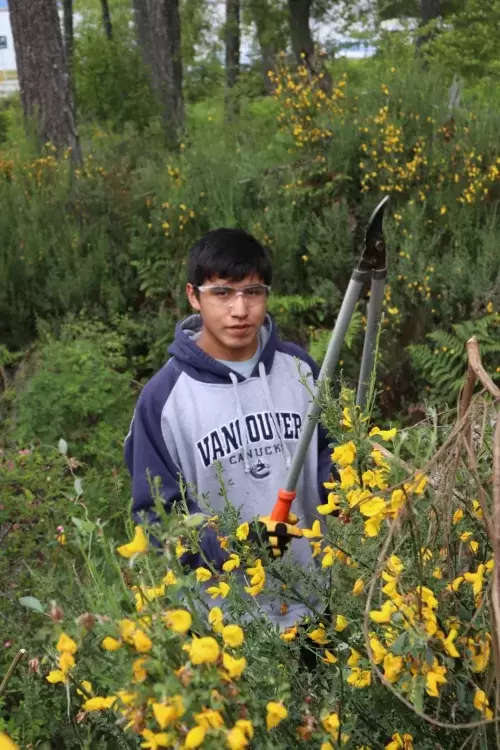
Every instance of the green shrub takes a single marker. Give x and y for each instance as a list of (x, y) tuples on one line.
[(78, 391), (112, 85)]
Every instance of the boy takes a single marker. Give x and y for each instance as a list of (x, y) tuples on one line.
[(231, 392)]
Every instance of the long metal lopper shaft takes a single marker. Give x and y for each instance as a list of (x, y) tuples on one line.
[(372, 265)]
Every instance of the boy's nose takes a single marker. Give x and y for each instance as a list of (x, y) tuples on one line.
[(239, 306)]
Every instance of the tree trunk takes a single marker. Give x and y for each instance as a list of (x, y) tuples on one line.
[(232, 40), (261, 16), (68, 31), (302, 41), (429, 11), (142, 29), (43, 73), (166, 63), (106, 19)]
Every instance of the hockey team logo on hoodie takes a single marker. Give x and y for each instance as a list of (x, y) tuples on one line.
[(265, 433)]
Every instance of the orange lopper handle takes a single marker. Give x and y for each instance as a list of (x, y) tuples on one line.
[(282, 505)]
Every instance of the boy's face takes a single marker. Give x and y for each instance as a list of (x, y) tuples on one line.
[(230, 326)]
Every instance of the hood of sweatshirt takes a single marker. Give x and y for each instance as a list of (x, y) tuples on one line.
[(201, 366)]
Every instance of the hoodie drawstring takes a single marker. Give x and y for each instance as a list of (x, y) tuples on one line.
[(270, 406), (241, 420)]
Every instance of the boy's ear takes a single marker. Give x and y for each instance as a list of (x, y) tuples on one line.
[(192, 297)]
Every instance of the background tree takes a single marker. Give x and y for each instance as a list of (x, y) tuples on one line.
[(302, 41), (270, 21), (166, 63), (43, 72), (141, 22), (68, 31), (232, 47), (106, 19)]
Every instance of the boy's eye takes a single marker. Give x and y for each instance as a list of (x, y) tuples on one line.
[(221, 291), (254, 291)]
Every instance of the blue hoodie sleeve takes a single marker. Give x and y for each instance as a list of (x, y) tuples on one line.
[(147, 457)]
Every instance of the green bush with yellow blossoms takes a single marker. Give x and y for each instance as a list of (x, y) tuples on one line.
[(398, 650)]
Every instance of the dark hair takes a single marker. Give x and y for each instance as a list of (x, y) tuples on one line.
[(230, 254)]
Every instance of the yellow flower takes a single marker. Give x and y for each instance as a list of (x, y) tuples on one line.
[(384, 434), (127, 630), (328, 558), (195, 737), (142, 643), (481, 703), (348, 477), (329, 507), (138, 544), (203, 650), (318, 635), (111, 644), (246, 727), (314, 532), (477, 579), (180, 549), (289, 634), (394, 565), (236, 739), (347, 417), (372, 507), (138, 670), (232, 563), (400, 742), (257, 580), (379, 651), (379, 460), (443, 210), (178, 620), (465, 536), (168, 713), (98, 703), (360, 678), (202, 575), (234, 667), (215, 618), (329, 658), (276, 712), (479, 660), (232, 635), (372, 526), (434, 677), (331, 724), (170, 579), (55, 676), (385, 613), (221, 590), (65, 643), (354, 658), (358, 587), (86, 685), (449, 646), (243, 531), (458, 515), (344, 455), (155, 740), (66, 661), (340, 623), (393, 666), (6, 743), (209, 719)]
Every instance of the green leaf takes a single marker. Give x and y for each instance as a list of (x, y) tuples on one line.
[(195, 520), (87, 527), (31, 602)]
